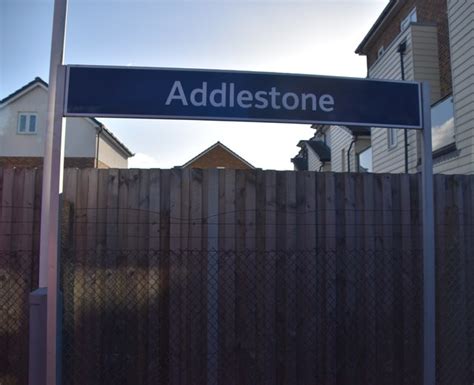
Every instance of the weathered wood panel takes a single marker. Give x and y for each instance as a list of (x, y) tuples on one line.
[(318, 276)]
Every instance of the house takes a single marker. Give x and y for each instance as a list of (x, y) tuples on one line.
[(417, 40), (315, 153), (218, 156), (335, 148), (23, 119)]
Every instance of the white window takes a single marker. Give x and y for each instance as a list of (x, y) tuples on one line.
[(27, 123), (411, 18), (442, 123), (392, 138), (365, 160)]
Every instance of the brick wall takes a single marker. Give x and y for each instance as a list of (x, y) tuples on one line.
[(428, 11), (31, 162), (388, 31), (218, 157), (79, 162)]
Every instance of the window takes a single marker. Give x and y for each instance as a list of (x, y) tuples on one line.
[(392, 138), (442, 123), (27, 123), (365, 160), (411, 18)]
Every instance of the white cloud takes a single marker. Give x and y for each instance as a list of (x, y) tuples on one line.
[(141, 160)]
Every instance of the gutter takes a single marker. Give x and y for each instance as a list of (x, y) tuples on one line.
[(354, 139), (402, 47), (99, 131)]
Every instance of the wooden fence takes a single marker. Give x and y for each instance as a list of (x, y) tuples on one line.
[(311, 276)]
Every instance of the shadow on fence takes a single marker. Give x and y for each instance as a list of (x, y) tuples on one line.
[(17, 280), (197, 317)]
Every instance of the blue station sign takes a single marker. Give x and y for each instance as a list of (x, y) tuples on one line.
[(130, 92)]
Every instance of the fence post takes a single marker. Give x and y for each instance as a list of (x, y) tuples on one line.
[(212, 276), (37, 337)]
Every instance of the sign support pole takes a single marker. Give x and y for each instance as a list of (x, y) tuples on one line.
[(50, 205), (429, 262)]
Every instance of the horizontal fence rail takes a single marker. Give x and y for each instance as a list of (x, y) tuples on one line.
[(246, 277)]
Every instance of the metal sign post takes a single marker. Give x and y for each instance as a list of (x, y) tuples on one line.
[(50, 212), (429, 263)]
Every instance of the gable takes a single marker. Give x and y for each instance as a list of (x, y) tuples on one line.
[(218, 156), (81, 132)]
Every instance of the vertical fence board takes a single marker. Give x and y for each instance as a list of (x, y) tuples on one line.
[(175, 260), (36, 226), (269, 283), (7, 210), (281, 279), (195, 321), (185, 286), (249, 288), (111, 272), (92, 268), (154, 375), (228, 373), (299, 262), (142, 275), (290, 274), (387, 282), (164, 300), (260, 276), (330, 266), (18, 303)]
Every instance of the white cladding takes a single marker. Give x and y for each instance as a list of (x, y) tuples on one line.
[(13, 144), (340, 142), (314, 163), (81, 133), (420, 63), (461, 34), (109, 156)]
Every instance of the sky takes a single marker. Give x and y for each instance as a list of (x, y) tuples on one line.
[(290, 36)]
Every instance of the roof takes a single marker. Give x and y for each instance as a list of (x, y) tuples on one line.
[(113, 137), (390, 6), (217, 144), (358, 130), (300, 163), (38, 81), (321, 149)]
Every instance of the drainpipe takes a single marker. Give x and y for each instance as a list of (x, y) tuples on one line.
[(97, 147), (402, 47), (354, 139)]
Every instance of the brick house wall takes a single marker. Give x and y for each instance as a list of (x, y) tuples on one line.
[(428, 11), (218, 157), (32, 162)]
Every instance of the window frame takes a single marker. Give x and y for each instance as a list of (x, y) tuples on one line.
[(410, 18), (371, 168), (28, 116), (392, 133), (448, 145)]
